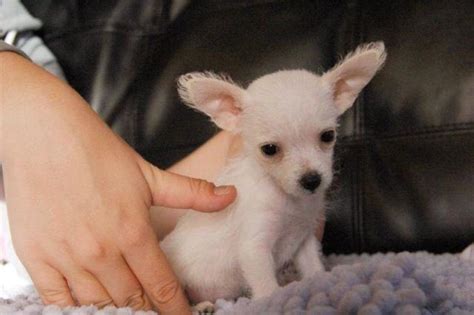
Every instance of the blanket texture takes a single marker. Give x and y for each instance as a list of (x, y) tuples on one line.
[(405, 283)]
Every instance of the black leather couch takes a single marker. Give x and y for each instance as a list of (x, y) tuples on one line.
[(405, 157)]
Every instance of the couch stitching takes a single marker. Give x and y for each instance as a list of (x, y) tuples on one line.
[(402, 136)]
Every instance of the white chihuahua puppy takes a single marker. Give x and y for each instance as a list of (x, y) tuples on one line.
[(287, 121)]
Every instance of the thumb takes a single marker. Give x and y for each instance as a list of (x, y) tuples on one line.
[(176, 191)]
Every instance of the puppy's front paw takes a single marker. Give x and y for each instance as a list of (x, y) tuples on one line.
[(309, 269), (202, 308), (264, 291), (318, 265)]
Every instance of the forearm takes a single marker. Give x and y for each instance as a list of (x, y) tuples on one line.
[(31, 100), (43, 119)]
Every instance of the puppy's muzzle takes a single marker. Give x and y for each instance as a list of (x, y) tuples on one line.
[(310, 181)]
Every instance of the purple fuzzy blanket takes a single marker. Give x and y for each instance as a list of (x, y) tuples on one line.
[(405, 283)]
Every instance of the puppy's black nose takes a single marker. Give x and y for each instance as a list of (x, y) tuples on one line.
[(310, 181)]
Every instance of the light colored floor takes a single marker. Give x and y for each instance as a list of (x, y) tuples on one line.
[(11, 283)]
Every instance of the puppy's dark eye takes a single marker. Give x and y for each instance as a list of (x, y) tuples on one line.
[(269, 149), (328, 136)]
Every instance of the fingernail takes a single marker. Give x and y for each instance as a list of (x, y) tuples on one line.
[(222, 190)]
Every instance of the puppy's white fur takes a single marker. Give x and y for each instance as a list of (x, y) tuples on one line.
[(273, 220)]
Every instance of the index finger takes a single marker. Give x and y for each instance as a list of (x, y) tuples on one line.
[(155, 274)]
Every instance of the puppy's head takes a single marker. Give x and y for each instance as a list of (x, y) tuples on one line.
[(287, 119)]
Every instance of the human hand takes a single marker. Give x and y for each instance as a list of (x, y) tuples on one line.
[(78, 199)]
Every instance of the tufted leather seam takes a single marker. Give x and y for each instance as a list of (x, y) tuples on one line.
[(236, 4), (362, 100), (422, 130), (99, 28), (419, 134), (138, 133), (348, 38), (431, 136), (346, 42), (358, 187)]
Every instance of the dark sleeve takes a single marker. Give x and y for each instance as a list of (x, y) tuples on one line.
[(5, 47)]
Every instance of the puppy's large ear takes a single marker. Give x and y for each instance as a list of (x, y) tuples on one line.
[(216, 96), (353, 73)]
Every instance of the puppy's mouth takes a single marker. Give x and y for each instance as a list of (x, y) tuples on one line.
[(301, 193), (309, 194)]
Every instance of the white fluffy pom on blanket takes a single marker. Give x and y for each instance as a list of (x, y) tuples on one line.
[(405, 283)]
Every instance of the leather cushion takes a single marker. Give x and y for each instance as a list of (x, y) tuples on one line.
[(406, 151)]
